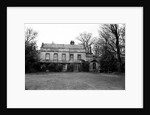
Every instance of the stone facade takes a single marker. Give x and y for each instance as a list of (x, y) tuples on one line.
[(66, 54)]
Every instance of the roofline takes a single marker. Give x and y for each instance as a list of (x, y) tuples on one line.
[(60, 44)]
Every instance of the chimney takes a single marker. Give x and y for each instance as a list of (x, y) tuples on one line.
[(42, 44), (71, 42)]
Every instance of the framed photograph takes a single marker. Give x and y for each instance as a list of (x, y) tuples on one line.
[(74, 57)]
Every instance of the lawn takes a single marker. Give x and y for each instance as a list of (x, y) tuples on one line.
[(74, 81)]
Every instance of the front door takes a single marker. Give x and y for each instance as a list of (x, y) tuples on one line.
[(75, 67), (94, 66)]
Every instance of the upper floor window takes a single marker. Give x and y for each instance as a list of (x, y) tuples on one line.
[(63, 56), (79, 57), (71, 57), (47, 56), (55, 56)]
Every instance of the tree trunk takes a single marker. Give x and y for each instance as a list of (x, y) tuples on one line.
[(118, 50)]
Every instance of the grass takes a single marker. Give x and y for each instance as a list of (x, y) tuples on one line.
[(74, 81)]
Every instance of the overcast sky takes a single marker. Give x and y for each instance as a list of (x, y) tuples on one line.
[(61, 33)]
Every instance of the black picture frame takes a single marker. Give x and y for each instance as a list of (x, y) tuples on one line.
[(67, 3)]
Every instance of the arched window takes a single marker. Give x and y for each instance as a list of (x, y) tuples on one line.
[(47, 56), (79, 57), (71, 57), (55, 56), (63, 57)]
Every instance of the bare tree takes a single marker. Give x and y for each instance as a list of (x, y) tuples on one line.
[(86, 40), (30, 36), (114, 37), (98, 47), (31, 54)]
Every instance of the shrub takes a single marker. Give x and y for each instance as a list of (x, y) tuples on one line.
[(59, 67), (108, 63), (85, 66), (52, 67), (43, 67), (70, 67)]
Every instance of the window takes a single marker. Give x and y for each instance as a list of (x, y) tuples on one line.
[(63, 57), (71, 57), (55, 56), (79, 57), (47, 56)]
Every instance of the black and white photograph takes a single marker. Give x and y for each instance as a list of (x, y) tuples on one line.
[(74, 56)]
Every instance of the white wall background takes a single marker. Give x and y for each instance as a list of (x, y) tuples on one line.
[(18, 97)]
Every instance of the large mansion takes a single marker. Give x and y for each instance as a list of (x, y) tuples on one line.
[(66, 54)]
